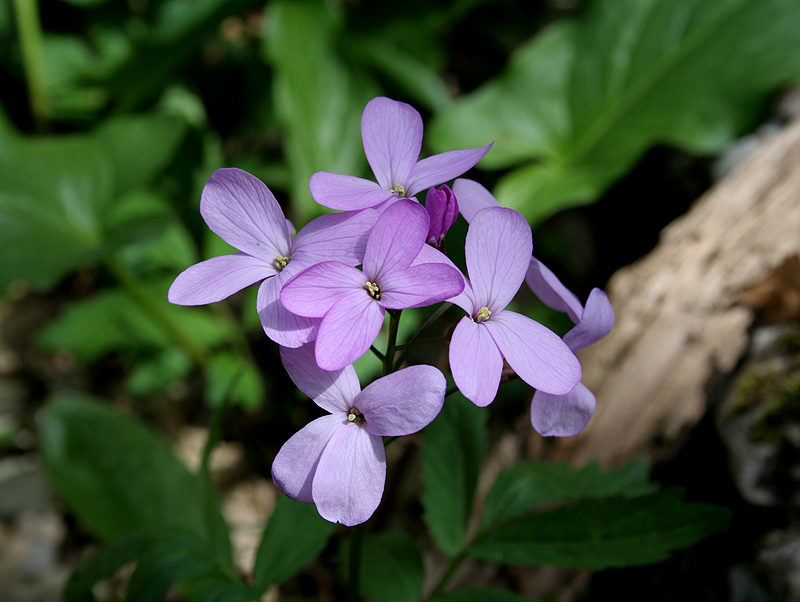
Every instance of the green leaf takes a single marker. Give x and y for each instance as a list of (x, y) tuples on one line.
[(595, 535), (319, 99), (294, 535), (116, 475), (484, 594), (588, 97), (391, 567), (527, 485), (451, 458), (231, 377)]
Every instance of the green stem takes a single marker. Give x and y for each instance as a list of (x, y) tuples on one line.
[(32, 48), (391, 345), (431, 319), (452, 567), (354, 568), (411, 344)]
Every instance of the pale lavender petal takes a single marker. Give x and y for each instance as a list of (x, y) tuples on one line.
[(218, 278), (241, 210), (596, 322), (466, 299), (442, 168), (562, 415), (349, 480), (279, 324), (348, 330), (472, 197), (534, 352), (392, 135), (313, 291), (334, 391), (546, 285), (335, 236), (475, 362), (403, 402), (347, 193), (396, 239), (420, 285), (498, 252), (294, 467)]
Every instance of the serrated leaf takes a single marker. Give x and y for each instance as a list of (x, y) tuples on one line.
[(391, 567), (480, 594), (587, 98), (294, 535), (527, 485), (451, 458), (595, 535)]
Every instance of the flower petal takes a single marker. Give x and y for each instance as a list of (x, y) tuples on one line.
[(420, 285), (279, 324), (241, 210), (403, 402), (562, 415), (498, 252), (472, 197), (534, 352), (218, 278), (334, 391), (348, 330), (546, 285), (596, 322), (392, 135), (313, 291), (338, 236), (396, 239), (442, 168), (465, 300), (348, 193), (294, 467), (348, 483), (475, 361)]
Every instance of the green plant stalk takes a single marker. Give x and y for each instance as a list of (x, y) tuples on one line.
[(391, 345), (354, 561), (452, 567), (31, 42)]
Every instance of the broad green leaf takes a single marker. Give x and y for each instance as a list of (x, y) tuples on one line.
[(451, 458), (595, 535), (318, 98), (480, 594), (294, 535), (527, 485), (229, 377), (116, 475), (588, 97), (391, 567)]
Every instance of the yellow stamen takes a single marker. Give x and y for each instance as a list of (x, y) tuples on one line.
[(482, 315), (399, 189), (373, 290), (281, 261)]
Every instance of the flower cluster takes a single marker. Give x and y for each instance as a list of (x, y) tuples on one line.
[(324, 293)]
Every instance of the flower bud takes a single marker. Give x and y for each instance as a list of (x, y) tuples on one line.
[(442, 208)]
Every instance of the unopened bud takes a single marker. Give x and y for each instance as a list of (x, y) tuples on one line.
[(442, 208)]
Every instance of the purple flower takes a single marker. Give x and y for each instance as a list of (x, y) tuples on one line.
[(392, 136), (337, 462), (442, 207), (352, 303), (241, 210), (498, 251)]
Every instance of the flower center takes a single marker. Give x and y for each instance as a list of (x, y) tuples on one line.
[(399, 189), (373, 290), (281, 261), (355, 416), (482, 315)]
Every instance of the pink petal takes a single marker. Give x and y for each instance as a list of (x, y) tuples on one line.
[(396, 239), (472, 197), (475, 362), (403, 402), (334, 391), (562, 415), (348, 483), (498, 252), (442, 168), (294, 467), (546, 285), (465, 300), (313, 291), (348, 330), (420, 285), (348, 193), (218, 278), (241, 210), (596, 322), (535, 353), (338, 236), (392, 135), (279, 324)]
